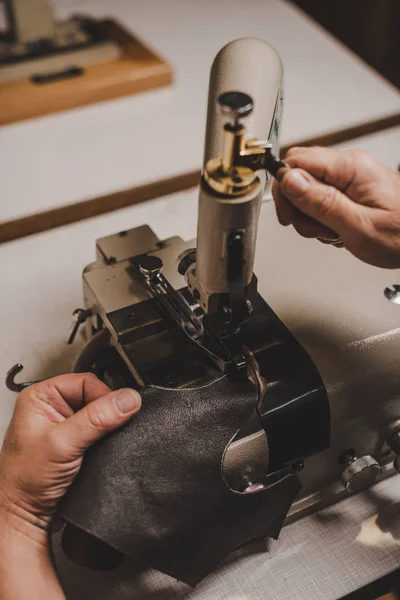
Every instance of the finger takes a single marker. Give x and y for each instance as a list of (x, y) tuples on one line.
[(95, 420), (284, 210), (79, 388), (58, 398), (323, 203), (76, 389), (309, 228), (330, 166), (347, 170)]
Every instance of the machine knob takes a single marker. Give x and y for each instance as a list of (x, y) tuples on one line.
[(150, 266), (235, 105), (394, 444), (359, 472)]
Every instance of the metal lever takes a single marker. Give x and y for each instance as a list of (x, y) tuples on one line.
[(79, 316), (179, 309), (173, 302)]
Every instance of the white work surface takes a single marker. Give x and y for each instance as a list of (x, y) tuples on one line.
[(99, 149), (321, 557)]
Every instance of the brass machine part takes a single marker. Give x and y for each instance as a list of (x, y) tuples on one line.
[(228, 175), (234, 172)]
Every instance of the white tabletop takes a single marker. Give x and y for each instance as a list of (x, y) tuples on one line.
[(41, 284), (88, 152), (322, 557)]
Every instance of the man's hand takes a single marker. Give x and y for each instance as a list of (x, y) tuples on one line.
[(54, 422), (332, 193)]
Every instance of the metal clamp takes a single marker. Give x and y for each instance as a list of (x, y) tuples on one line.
[(173, 302)]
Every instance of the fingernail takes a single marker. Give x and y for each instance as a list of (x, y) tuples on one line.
[(127, 401), (295, 184)]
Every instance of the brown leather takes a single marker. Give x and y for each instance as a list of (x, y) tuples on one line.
[(154, 489)]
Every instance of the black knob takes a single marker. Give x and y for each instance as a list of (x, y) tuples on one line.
[(150, 266), (359, 472), (235, 105)]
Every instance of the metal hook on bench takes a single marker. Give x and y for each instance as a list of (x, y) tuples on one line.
[(10, 379)]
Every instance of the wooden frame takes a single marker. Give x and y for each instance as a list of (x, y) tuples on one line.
[(137, 70)]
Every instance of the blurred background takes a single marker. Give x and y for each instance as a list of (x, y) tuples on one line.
[(371, 28)]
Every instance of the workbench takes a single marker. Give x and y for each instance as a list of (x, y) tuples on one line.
[(323, 556), (69, 157)]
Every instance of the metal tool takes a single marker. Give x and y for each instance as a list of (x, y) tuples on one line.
[(79, 316), (173, 302), (12, 385)]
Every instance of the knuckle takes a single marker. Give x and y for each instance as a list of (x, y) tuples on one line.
[(293, 150), (97, 416), (327, 200), (56, 444), (90, 377), (358, 156)]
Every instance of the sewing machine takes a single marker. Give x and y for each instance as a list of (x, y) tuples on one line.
[(171, 313), (180, 314)]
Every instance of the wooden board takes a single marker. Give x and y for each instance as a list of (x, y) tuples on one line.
[(137, 70)]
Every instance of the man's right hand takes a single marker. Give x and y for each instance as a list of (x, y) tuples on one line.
[(346, 192)]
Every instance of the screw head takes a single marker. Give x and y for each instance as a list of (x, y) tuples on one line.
[(235, 105), (360, 473), (150, 265), (171, 381)]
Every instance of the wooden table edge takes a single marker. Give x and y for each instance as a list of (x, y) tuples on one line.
[(72, 213)]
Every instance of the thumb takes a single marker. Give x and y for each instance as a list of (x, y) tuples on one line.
[(77, 433), (323, 203)]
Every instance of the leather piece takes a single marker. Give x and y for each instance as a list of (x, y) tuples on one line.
[(154, 490)]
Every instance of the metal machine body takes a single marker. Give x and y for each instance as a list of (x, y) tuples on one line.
[(314, 329)]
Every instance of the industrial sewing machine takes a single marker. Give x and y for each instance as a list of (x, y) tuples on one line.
[(311, 328)]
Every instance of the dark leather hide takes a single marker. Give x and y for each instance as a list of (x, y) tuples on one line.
[(154, 490)]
